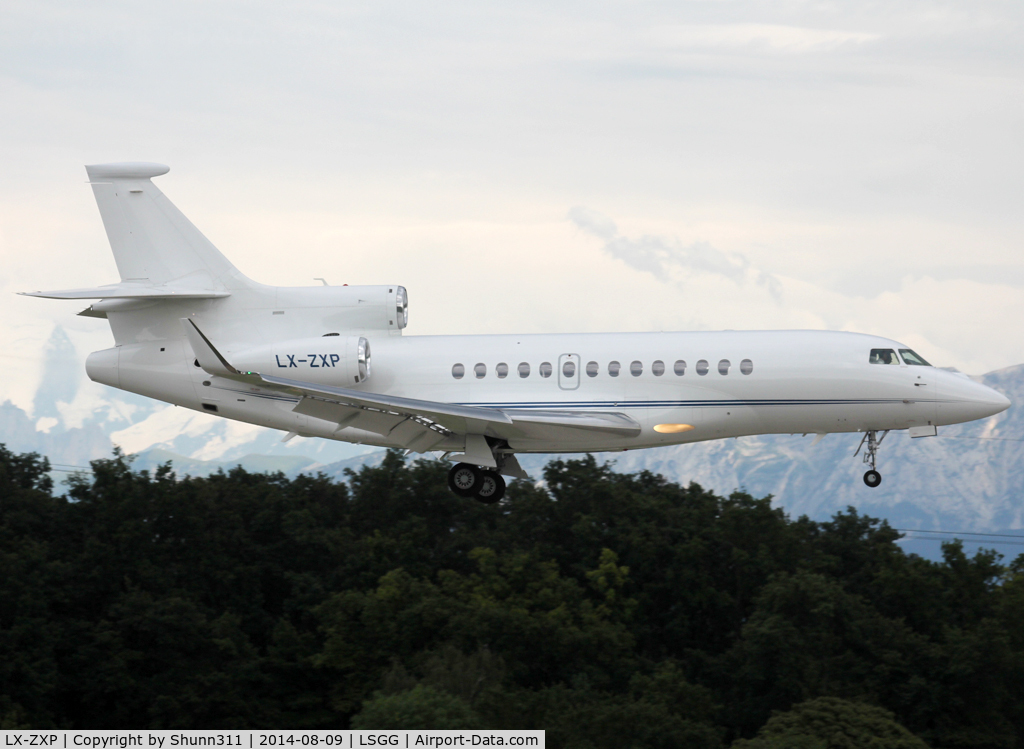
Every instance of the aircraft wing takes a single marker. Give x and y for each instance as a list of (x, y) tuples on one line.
[(454, 418), (418, 424), (507, 423)]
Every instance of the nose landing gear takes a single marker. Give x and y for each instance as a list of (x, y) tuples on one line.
[(466, 480), (872, 478)]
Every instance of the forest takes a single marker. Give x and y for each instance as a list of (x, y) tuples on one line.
[(611, 610)]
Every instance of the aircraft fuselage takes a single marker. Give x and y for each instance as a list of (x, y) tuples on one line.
[(796, 382)]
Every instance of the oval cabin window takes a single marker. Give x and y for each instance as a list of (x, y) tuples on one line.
[(613, 369), (568, 369), (501, 370), (481, 371), (658, 368), (702, 367), (524, 370), (636, 368), (723, 366), (679, 367), (746, 366), (545, 369), (592, 369), (458, 371)]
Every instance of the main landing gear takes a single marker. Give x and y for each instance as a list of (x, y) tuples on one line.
[(467, 480), (872, 478)]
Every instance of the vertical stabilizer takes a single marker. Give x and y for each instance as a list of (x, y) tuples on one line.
[(152, 240)]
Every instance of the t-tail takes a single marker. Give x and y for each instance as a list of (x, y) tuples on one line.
[(159, 253)]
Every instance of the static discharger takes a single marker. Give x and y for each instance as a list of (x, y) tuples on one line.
[(673, 428)]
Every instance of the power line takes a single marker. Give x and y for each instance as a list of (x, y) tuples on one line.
[(959, 533), (963, 536), (969, 540), (68, 468), (969, 437)]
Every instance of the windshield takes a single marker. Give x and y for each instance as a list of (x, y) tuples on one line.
[(883, 356), (909, 357)]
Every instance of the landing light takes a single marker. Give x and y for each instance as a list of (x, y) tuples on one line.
[(673, 428)]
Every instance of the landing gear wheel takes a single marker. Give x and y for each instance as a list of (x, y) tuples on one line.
[(492, 488), (871, 442), (465, 480)]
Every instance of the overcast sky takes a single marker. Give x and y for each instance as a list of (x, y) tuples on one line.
[(540, 166)]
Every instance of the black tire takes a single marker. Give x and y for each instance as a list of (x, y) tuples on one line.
[(872, 478), (492, 488), (464, 480)]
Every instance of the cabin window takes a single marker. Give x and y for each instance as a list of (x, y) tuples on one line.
[(723, 366), (613, 369), (458, 371), (702, 367), (592, 368), (746, 366), (883, 356), (545, 369), (569, 369), (679, 367), (481, 371), (636, 368), (658, 368), (910, 357), (524, 370), (501, 370)]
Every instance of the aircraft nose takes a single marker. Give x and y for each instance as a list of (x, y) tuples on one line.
[(989, 402), (964, 400)]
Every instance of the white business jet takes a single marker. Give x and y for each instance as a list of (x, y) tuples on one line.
[(191, 330)]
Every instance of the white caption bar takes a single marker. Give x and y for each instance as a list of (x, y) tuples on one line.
[(260, 739)]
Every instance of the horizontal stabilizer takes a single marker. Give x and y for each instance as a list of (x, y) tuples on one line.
[(129, 291), (126, 170)]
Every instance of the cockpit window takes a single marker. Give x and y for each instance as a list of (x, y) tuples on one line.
[(910, 357), (883, 356)]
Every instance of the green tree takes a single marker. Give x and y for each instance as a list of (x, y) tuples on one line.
[(420, 707), (832, 723)]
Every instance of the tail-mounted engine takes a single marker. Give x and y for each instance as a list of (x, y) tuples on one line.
[(329, 360)]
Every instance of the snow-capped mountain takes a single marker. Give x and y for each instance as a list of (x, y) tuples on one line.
[(969, 478)]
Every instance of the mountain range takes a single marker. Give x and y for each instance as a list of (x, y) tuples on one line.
[(967, 479)]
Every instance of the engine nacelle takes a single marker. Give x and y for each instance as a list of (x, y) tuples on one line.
[(337, 360)]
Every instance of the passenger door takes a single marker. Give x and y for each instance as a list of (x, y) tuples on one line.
[(569, 371)]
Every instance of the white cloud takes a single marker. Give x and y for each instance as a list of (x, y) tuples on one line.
[(669, 259), (765, 36)]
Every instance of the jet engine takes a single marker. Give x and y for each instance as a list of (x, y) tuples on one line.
[(332, 359)]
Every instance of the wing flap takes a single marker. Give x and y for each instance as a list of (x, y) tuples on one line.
[(592, 421), (458, 419)]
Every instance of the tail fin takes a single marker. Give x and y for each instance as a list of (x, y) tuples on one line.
[(151, 239)]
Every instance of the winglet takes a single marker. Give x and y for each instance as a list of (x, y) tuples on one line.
[(209, 358)]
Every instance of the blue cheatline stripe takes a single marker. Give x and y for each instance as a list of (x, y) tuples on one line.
[(559, 405), (697, 404)]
